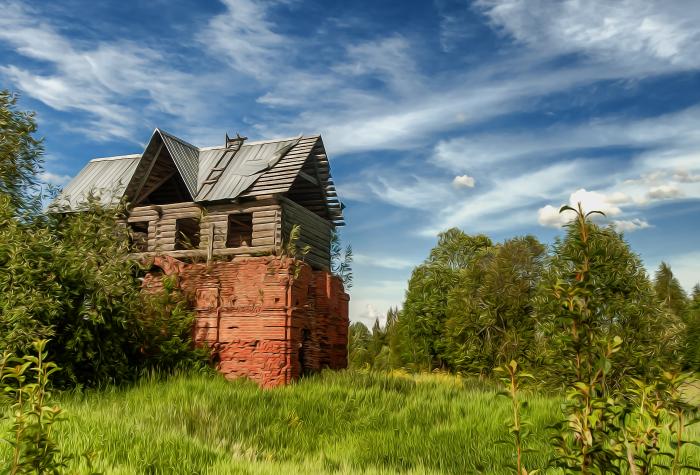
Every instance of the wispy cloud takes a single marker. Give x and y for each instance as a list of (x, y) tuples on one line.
[(244, 35), (99, 79), (640, 34), (384, 262)]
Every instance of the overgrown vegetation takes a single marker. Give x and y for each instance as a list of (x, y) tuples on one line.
[(66, 278)]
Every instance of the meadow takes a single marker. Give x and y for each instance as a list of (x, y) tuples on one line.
[(335, 422)]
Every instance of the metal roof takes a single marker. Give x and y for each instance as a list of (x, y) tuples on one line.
[(102, 178), (186, 158), (210, 174), (244, 168)]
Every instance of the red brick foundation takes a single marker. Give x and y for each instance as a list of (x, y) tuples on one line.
[(260, 320)]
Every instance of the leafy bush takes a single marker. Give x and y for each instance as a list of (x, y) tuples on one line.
[(67, 278), (24, 385)]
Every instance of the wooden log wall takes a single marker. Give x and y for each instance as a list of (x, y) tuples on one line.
[(315, 232), (162, 227)]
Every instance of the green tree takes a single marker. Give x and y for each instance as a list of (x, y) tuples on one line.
[(668, 289), (20, 155), (692, 321), (625, 305), (490, 316), (424, 314), (358, 343)]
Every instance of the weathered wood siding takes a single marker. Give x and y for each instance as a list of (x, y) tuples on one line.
[(267, 228), (272, 220), (315, 232)]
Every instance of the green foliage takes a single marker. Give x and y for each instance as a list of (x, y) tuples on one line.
[(25, 389), (469, 308), (490, 316), (359, 337), (518, 427), (613, 422), (669, 290), (378, 349), (20, 155), (349, 422), (596, 262), (341, 260), (67, 278), (424, 313), (692, 322)]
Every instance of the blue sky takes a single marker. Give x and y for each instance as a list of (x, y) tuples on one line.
[(485, 115)]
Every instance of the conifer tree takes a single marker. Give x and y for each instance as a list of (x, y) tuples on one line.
[(669, 291)]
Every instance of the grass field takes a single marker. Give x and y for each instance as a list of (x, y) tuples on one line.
[(346, 422)]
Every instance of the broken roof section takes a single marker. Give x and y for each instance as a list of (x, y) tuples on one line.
[(211, 174)]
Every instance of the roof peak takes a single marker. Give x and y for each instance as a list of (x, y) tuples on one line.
[(116, 157)]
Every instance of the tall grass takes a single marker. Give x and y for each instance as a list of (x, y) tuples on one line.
[(342, 422)]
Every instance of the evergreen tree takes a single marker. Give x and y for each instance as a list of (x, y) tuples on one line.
[(359, 337), (669, 291)]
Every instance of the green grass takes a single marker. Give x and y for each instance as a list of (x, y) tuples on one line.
[(344, 422)]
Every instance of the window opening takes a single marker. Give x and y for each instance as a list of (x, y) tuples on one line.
[(186, 234), (240, 230), (138, 236)]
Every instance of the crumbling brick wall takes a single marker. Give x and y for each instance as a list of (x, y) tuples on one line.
[(260, 319)]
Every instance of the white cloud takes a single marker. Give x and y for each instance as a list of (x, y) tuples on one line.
[(645, 35), (683, 176), (551, 217), (463, 181), (245, 36), (54, 179), (97, 78), (630, 225), (589, 201), (373, 298), (664, 192)]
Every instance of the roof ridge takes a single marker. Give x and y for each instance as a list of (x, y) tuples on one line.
[(260, 142), (116, 157), (174, 137)]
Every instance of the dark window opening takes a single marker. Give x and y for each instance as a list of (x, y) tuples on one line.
[(240, 230), (138, 236), (186, 234)]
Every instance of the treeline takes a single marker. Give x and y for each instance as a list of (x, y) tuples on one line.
[(474, 305)]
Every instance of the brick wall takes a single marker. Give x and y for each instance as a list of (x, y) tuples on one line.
[(260, 320)]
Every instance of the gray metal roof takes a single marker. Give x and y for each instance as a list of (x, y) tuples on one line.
[(245, 167), (102, 178), (186, 158), (210, 174)]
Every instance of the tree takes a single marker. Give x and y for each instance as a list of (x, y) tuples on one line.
[(625, 304), (692, 321), (490, 318), (20, 155), (68, 278), (669, 290), (358, 343), (422, 322)]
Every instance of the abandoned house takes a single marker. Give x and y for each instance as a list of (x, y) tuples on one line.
[(219, 219)]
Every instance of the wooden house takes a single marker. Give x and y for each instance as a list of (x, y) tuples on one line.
[(240, 198), (233, 207)]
